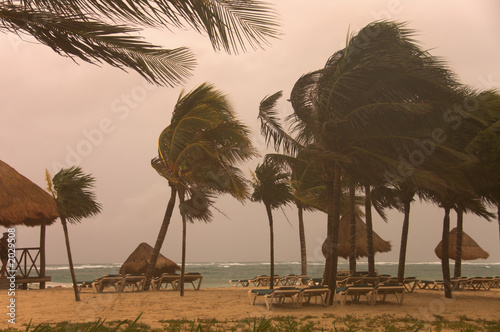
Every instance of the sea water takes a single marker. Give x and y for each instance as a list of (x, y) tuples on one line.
[(218, 274)]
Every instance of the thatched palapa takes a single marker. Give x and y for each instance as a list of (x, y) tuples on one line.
[(470, 249), (22, 202), (344, 248), (138, 262)]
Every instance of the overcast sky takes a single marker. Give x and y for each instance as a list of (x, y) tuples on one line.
[(57, 113)]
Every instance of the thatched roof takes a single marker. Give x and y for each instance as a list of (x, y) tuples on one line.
[(470, 249), (138, 261), (344, 248), (22, 202)]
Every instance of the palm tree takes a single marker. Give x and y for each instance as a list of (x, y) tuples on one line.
[(197, 154), (82, 29), (71, 189), (271, 187)]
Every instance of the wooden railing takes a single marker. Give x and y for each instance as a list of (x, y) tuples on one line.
[(26, 263)]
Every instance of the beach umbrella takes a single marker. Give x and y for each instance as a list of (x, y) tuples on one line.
[(22, 202), (138, 262), (379, 245), (470, 249)]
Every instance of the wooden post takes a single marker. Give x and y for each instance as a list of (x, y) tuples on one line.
[(42, 254)]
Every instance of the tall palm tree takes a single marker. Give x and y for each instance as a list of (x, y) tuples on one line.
[(197, 154), (71, 189), (82, 29), (271, 187)]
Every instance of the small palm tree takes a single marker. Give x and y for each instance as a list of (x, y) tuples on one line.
[(197, 154), (272, 187), (71, 189)]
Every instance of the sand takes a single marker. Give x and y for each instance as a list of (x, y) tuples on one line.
[(58, 304)]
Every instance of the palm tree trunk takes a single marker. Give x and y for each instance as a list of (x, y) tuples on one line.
[(183, 264), (458, 254), (302, 238), (445, 262), (334, 192), (404, 241), (369, 230), (161, 237), (70, 259), (271, 235), (43, 228), (352, 231)]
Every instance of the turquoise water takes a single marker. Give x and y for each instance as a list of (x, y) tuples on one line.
[(218, 274)]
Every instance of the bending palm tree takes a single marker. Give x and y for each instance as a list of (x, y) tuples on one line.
[(271, 187), (81, 29), (75, 201), (197, 154)]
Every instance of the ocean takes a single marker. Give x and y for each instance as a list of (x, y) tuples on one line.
[(217, 274)]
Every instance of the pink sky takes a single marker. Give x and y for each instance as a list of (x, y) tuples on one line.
[(57, 113)]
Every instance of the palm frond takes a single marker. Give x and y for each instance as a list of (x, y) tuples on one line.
[(95, 42), (271, 128), (230, 25)]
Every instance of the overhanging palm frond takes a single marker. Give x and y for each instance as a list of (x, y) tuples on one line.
[(231, 25), (95, 42), (74, 197)]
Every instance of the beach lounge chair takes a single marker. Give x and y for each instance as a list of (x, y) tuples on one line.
[(321, 292), (303, 279), (264, 280), (355, 292), (349, 281), (496, 282), (411, 283), (480, 283), (258, 280), (289, 280), (115, 281), (429, 284), (396, 289), (315, 282), (166, 279), (242, 282), (84, 284), (277, 296), (459, 283), (193, 277), (134, 281), (370, 280)]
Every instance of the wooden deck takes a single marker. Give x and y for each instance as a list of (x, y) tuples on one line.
[(22, 282)]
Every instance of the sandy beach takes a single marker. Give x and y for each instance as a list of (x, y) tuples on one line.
[(58, 305)]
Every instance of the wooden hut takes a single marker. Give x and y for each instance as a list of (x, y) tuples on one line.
[(470, 249), (139, 259), (22, 202)]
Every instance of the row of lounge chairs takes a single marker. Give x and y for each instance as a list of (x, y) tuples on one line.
[(265, 280), (463, 283), (410, 283), (119, 283), (352, 292)]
